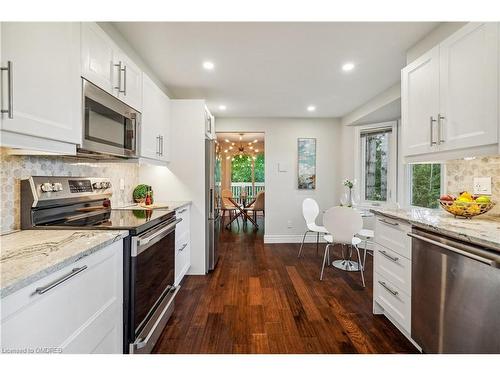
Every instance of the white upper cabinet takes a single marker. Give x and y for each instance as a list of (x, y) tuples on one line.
[(155, 126), (129, 81), (42, 98), (450, 99), (420, 103), (97, 57), (468, 91), (106, 66)]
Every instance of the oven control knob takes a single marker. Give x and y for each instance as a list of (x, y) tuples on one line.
[(46, 187), (97, 185), (57, 186)]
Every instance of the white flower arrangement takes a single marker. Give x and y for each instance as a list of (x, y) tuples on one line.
[(348, 183)]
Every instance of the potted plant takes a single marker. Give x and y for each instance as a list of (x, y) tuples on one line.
[(141, 192)]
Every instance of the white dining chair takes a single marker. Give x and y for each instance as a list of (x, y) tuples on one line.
[(310, 211), (342, 224), (366, 235)]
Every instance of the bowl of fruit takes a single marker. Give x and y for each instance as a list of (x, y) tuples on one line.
[(466, 205)]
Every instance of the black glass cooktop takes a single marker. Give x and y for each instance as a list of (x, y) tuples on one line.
[(134, 220)]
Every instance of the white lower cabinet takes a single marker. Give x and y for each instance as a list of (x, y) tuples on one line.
[(392, 272), (82, 314), (182, 244)]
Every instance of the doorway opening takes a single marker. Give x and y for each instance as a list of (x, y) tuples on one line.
[(240, 180)]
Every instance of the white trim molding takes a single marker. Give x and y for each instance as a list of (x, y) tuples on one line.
[(297, 238)]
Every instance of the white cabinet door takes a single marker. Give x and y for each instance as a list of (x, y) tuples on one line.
[(82, 314), (420, 104), (469, 87), (46, 84), (97, 57), (155, 128), (128, 85)]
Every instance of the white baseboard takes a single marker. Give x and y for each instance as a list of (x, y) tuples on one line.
[(291, 238), (297, 238)]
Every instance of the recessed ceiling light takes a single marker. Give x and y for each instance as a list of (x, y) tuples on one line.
[(230, 147), (225, 150), (228, 157), (222, 107), (254, 141), (208, 65), (311, 108), (226, 140), (256, 150), (347, 67)]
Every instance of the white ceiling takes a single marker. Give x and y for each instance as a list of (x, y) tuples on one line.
[(275, 69)]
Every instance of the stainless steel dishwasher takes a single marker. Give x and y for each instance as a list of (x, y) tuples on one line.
[(455, 300)]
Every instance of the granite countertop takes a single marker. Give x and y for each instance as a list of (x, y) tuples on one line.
[(29, 255), (480, 230), (174, 205)]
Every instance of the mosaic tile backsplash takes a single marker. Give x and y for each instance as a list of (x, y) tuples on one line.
[(460, 176), (13, 168)]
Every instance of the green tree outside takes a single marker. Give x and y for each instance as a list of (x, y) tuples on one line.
[(241, 169), (426, 185)]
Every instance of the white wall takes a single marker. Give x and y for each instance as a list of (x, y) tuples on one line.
[(184, 178), (283, 199), (379, 103)]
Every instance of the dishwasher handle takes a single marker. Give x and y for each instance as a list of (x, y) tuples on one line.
[(464, 250)]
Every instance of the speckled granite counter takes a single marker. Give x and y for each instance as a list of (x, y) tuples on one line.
[(174, 205), (29, 255), (480, 230)]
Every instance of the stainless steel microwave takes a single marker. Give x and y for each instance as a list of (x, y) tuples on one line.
[(110, 127)]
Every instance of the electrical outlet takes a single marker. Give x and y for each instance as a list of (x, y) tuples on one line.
[(122, 184), (482, 185), (289, 224)]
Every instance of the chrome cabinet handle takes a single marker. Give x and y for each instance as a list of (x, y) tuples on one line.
[(124, 80), (10, 91), (183, 246), (74, 272), (393, 292), (431, 122), (158, 145), (440, 131), (120, 70), (161, 145), (384, 253), (388, 222)]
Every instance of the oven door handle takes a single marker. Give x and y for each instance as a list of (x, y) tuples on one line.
[(162, 232), (143, 341)]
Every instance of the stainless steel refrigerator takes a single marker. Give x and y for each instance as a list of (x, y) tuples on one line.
[(212, 195)]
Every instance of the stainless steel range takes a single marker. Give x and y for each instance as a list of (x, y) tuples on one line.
[(149, 250)]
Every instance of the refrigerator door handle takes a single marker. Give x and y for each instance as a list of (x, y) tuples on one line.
[(211, 204)]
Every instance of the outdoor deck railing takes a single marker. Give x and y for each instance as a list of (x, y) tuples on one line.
[(238, 187)]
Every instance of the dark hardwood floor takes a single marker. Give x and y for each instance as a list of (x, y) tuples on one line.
[(262, 299)]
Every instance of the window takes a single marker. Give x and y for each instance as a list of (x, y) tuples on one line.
[(376, 162), (425, 185)]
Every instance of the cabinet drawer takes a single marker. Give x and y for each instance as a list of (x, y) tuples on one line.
[(395, 302), (183, 226), (393, 266), (76, 315), (392, 234), (182, 256)]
